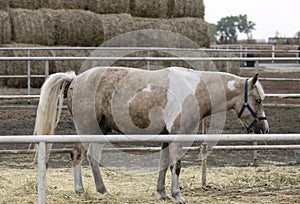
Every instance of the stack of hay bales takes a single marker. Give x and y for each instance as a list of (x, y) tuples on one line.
[(93, 23), (138, 8), (72, 27)]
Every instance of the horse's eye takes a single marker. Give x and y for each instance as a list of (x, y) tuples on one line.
[(258, 101)]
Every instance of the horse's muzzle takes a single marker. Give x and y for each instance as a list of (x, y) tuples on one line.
[(261, 127)]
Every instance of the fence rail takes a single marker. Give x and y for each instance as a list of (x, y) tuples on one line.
[(227, 49)]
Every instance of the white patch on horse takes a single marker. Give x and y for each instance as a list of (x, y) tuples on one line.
[(148, 88), (230, 85), (182, 83)]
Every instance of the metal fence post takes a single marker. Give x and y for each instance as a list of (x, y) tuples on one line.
[(273, 52), (46, 69), (204, 159), (255, 162), (257, 66), (227, 62), (28, 73), (148, 62), (42, 173)]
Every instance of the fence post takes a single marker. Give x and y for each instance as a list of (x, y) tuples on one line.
[(273, 52), (227, 62), (257, 66), (46, 69), (204, 159), (148, 62), (42, 173), (203, 156), (255, 162), (28, 73)]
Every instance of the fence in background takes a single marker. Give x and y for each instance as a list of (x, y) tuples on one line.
[(242, 50), (228, 49)]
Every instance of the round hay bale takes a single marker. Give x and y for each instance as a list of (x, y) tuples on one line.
[(149, 8), (186, 8), (3, 5), (33, 26), (78, 28), (115, 24), (108, 6), (151, 23), (64, 4), (25, 4), (85, 28), (5, 28), (193, 28)]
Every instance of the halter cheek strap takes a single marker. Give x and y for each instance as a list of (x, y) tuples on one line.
[(247, 106)]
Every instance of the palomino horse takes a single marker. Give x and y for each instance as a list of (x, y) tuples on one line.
[(134, 101)]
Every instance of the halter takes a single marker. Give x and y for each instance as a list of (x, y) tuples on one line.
[(246, 106)]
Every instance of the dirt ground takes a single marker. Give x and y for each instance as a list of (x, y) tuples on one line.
[(281, 120)]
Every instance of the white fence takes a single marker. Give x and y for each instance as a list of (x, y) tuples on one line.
[(43, 139), (242, 49)]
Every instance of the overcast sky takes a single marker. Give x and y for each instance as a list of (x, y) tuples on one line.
[(269, 15)]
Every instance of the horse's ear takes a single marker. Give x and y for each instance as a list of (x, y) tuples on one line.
[(253, 80)]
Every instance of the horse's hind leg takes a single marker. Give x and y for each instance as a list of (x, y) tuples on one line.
[(94, 156), (78, 179), (175, 166), (77, 156), (163, 167)]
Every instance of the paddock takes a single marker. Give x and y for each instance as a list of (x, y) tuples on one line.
[(231, 175)]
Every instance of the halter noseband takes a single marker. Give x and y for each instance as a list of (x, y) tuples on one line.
[(246, 106)]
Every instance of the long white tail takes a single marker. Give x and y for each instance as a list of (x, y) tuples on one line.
[(50, 105), (51, 102)]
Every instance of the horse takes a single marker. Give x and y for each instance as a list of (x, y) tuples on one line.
[(173, 100)]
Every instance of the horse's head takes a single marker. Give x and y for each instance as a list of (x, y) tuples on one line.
[(250, 109)]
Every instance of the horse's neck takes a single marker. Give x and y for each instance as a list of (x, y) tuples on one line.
[(223, 92)]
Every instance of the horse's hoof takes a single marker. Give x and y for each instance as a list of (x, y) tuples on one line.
[(102, 191), (164, 197), (79, 192), (180, 199)]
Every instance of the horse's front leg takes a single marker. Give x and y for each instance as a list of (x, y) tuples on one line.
[(163, 167), (94, 156), (175, 166)]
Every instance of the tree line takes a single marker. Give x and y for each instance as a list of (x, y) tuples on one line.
[(227, 29)]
